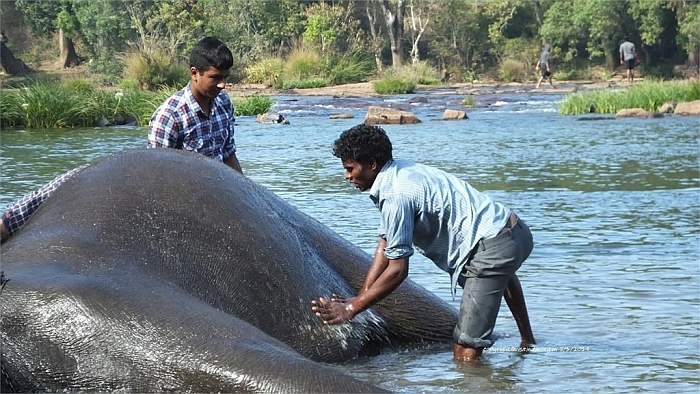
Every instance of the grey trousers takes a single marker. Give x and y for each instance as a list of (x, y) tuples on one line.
[(484, 279)]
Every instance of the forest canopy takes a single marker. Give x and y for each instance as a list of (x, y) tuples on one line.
[(465, 37)]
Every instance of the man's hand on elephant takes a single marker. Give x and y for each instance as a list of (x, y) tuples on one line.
[(333, 311)]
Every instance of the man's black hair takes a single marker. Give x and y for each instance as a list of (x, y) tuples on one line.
[(211, 52), (362, 143)]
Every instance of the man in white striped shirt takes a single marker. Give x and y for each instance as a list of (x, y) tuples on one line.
[(478, 241)]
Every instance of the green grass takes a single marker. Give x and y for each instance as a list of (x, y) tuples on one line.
[(648, 95), (252, 105), (469, 101), (394, 85), (304, 83)]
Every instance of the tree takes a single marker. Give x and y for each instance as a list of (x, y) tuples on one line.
[(596, 26), (459, 34), (375, 32), (394, 27), (259, 26), (53, 18), (420, 12), (688, 16)]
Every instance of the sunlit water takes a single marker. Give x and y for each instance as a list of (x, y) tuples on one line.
[(612, 286)]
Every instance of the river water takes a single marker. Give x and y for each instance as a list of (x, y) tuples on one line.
[(612, 286)]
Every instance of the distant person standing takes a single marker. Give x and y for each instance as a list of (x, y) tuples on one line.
[(544, 66), (628, 57)]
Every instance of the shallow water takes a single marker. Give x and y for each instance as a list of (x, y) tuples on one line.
[(613, 284)]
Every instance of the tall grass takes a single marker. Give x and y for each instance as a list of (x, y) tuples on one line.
[(49, 105), (266, 71), (77, 104), (511, 70), (304, 63), (152, 71), (350, 69), (420, 73), (394, 85), (648, 95), (251, 105)]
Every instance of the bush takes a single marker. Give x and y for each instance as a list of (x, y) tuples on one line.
[(394, 85), (49, 105), (303, 63), (266, 71), (469, 101), (513, 71), (351, 69), (10, 108), (252, 105), (420, 73), (156, 70)]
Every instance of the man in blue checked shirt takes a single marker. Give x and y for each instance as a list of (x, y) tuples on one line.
[(479, 242), (198, 118)]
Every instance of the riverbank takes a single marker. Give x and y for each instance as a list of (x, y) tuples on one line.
[(365, 89)]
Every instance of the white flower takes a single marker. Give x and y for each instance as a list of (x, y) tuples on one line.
[(119, 94), (25, 105)]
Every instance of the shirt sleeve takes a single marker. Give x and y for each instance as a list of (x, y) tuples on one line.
[(163, 129), (397, 225)]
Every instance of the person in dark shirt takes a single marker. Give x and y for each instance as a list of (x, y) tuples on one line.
[(544, 66)]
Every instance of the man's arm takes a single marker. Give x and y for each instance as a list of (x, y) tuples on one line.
[(383, 277), (232, 162)]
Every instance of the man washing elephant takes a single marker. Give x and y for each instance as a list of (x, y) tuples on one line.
[(197, 118), (479, 242)]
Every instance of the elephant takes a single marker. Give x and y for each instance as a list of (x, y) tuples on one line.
[(164, 270)]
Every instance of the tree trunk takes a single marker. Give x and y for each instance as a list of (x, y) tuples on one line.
[(417, 30), (68, 57), (376, 40), (394, 26), (9, 63)]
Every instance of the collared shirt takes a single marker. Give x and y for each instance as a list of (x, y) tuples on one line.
[(180, 123), (434, 212)]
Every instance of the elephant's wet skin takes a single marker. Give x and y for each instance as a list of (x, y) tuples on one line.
[(162, 270)]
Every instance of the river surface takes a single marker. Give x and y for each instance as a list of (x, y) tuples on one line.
[(612, 286)]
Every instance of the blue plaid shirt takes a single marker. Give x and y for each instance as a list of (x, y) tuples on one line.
[(440, 215), (180, 123)]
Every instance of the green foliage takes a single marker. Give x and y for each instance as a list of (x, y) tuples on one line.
[(303, 63), (469, 101), (155, 70), (513, 71), (251, 105), (79, 85), (393, 85), (350, 69), (648, 95), (73, 104), (48, 105), (266, 71), (319, 31), (572, 74), (688, 16), (420, 73), (308, 83), (11, 111)]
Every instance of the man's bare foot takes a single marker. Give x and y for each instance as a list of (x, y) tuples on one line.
[(463, 353)]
